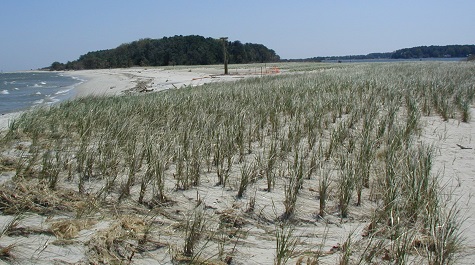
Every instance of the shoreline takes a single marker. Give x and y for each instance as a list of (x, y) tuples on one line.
[(113, 82), (94, 82), (119, 81)]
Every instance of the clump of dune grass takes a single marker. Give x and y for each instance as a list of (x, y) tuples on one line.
[(11, 224), (247, 172), (6, 252), (346, 184), (31, 196), (285, 242), (323, 189), (69, 228), (194, 228), (121, 241)]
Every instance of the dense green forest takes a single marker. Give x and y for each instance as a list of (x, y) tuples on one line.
[(406, 53), (434, 52), (177, 50)]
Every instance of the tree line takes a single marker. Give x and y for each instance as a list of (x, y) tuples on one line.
[(462, 51), (177, 50), (434, 52)]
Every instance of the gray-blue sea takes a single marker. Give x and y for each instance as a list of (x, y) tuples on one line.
[(24, 90)]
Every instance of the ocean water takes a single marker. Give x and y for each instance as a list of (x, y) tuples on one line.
[(25, 90)]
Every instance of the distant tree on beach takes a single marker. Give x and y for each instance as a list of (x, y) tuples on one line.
[(57, 66), (177, 50)]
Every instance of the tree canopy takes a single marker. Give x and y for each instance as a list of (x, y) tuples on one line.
[(434, 52), (406, 53), (177, 50)]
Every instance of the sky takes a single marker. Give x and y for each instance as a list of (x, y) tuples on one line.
[(36, 33)]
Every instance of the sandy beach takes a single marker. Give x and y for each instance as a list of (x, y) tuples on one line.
[(107, 82), (5, 119), (454, 162)]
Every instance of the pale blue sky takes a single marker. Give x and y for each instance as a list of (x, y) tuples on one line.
[(35, 33)]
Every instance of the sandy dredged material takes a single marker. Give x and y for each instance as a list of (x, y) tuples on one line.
[(457, 167), (118, 81), (5, 119), (445, 136)]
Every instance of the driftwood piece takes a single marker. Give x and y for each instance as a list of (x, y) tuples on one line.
[(463, 147)]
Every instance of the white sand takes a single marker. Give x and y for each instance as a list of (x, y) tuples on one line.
[(6, 119), (457, 169), (117, 81)]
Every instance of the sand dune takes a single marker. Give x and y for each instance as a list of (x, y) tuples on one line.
[(453, 140)]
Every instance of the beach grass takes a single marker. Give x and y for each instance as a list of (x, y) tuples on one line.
[(348, 132)]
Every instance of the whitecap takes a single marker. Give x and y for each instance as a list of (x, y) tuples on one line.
[(16, 88), (38, 101), (38, 93), (51, 100), (36, 85), (43, 83), (78, 78), (4, 92), (62, 91)]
